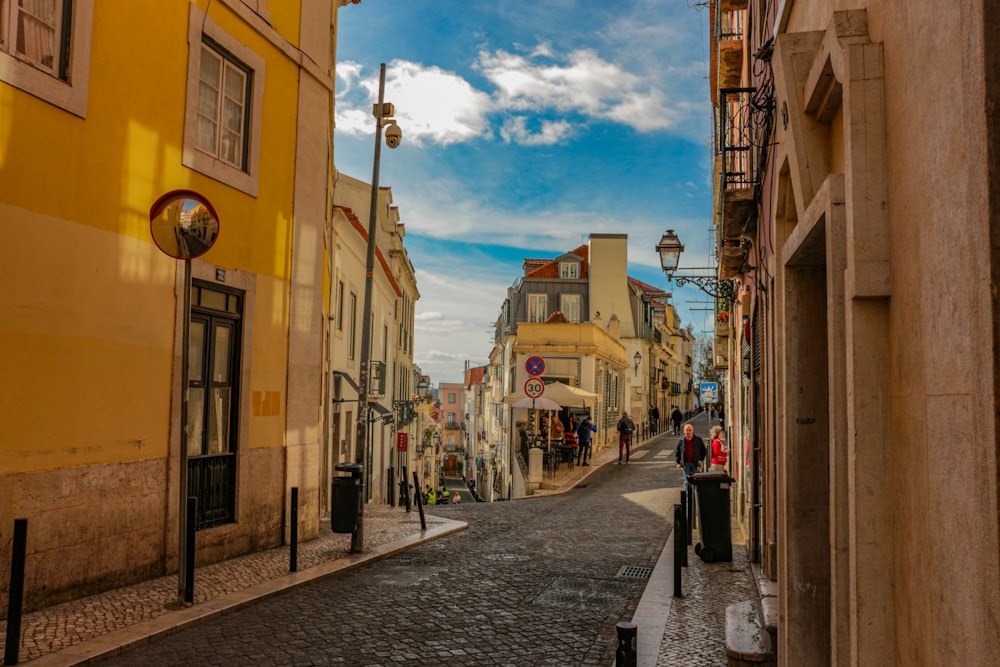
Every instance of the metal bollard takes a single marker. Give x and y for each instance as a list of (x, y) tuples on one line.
[(679, 549), (192, 518), (15, 597), (626, 655), (293, 552), (683, 528), (420, 502)]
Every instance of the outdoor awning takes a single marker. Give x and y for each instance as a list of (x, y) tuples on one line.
[(379, 408), (568, 396), (344, 388)]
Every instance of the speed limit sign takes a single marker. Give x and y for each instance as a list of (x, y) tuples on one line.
[(534, 388)]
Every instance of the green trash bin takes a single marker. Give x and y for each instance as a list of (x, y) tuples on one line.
[(713, 511), (345, 498)]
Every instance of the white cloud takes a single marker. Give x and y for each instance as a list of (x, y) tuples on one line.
[(515, 130), (584, 84), (431, 104), (541, 96)]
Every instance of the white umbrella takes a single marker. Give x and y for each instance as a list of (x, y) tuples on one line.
[(563, 394), (540, 403)]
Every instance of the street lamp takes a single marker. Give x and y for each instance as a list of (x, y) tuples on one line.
[(638, 360), (404, 408), (670, 249), (382, 112)]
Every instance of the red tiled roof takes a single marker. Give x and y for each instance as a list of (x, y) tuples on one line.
[(474, 376), (378, 252), (549, 268)]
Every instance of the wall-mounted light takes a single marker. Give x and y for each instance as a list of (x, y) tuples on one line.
[(670, 249), (638, 360)]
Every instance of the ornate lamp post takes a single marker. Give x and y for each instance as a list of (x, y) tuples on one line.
[(670, 249)]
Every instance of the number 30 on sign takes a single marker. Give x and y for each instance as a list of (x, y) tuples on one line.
[(534, 388)]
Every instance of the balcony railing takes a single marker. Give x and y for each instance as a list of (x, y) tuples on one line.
[(729, 24), (736, 138)]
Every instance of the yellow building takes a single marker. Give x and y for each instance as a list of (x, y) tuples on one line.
[(100, 116)]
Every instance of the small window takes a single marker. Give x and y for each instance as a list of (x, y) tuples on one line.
[(340, 305), (353, 323), (569, 270), (537, 311), (223, 91), (45, 49), (569, 304), (224, 105)]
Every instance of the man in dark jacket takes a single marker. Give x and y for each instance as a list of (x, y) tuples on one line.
[(675, 418), (583, 432), (690, 452), (625, 428)]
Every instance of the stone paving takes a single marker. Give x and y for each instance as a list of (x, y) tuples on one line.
[(91, 629), (696, 631)]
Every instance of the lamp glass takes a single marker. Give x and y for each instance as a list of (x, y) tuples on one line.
[(670, 249)]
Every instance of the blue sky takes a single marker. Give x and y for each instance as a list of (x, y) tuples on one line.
[(528, 125)]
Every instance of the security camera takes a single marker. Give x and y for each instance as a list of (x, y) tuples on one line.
[(393, 136)]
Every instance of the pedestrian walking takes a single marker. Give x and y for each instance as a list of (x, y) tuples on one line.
[(690, 452), (654, 419), (583, 438), (720, 454), (625, 429), (675, 418)]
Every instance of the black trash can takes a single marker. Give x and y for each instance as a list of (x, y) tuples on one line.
[(713, 511), (345, 498)]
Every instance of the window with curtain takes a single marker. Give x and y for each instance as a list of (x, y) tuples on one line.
[(537, 307)]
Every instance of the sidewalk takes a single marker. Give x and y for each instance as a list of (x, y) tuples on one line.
[(671, 631), (99, 626)]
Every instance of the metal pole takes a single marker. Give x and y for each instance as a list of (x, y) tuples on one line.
[(364, 375), (192, 512), (15, 597), (418, 497), (182, 483), (680, 549), (293, 552)]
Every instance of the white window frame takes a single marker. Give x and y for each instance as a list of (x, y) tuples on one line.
[(569, 270), (245, 178), (569, 304), (537, 303), (41, 81)]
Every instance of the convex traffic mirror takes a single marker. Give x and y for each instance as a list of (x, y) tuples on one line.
[(183, 224)]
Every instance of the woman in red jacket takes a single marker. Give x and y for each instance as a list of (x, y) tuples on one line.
[(720, 454)]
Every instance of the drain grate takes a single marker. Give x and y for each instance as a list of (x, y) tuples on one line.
[(398, 575), (509, 558), (583, 593), (635, 572)]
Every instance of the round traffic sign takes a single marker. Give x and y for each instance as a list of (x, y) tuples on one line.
[(534, 365), (534, 388)]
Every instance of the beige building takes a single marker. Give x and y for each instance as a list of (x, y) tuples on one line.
[(597, 330), (393, 377), (857, 179)]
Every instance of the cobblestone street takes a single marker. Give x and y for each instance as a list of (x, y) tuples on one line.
[(541, 581)]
